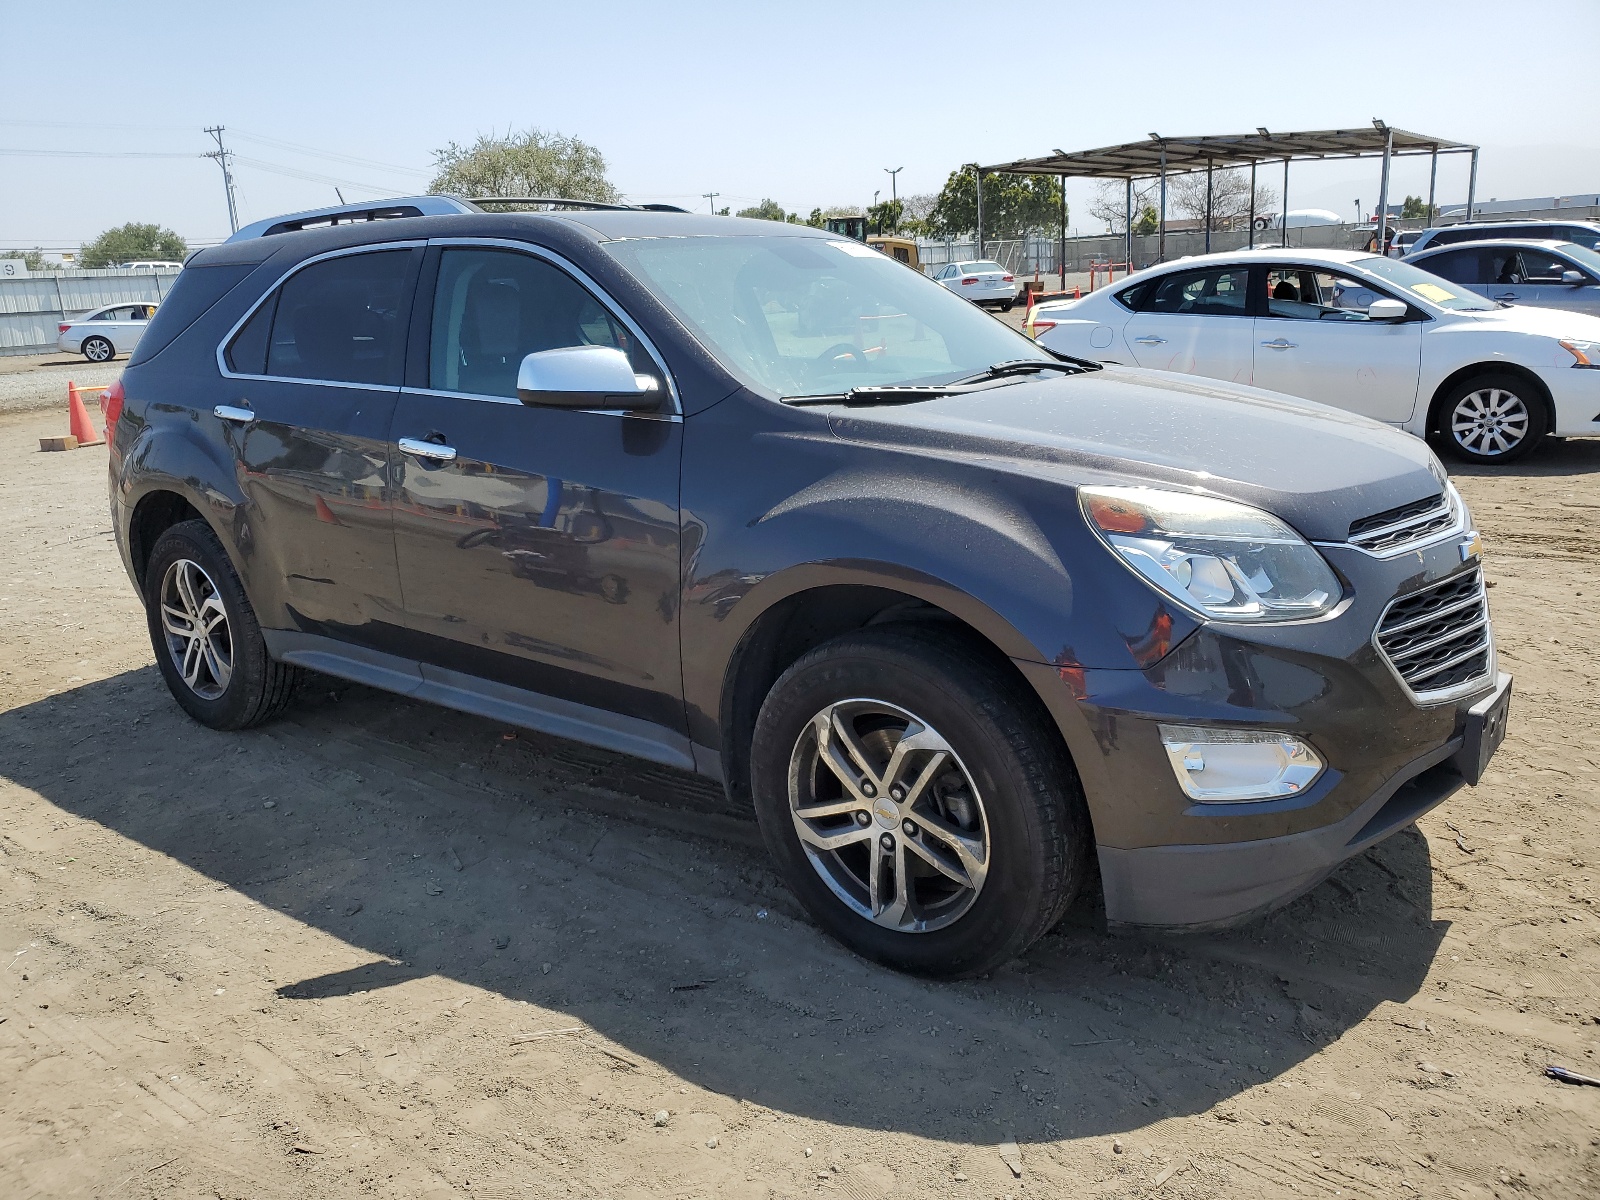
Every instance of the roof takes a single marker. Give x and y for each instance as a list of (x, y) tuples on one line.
[(1135, 160)]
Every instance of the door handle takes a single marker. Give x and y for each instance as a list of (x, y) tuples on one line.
[(1279, 344), (229, 412), (432, 450), (1151, 340), (1507, 296)]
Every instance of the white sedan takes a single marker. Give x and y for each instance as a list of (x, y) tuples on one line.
[(1355, 331), (106, 332), (986, 283)]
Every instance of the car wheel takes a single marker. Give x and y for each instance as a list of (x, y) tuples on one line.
[(1493, 419), (1008, 306), (207, 641), (98, 350), (921, 813)]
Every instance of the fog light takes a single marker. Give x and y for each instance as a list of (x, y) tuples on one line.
[(1223, 766)]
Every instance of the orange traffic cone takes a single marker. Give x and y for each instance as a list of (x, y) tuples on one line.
[(325, 514), (1076, 294), (78, 423)]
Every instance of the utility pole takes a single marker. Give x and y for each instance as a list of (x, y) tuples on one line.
[(712, 196), (894, 195), (224, 157)]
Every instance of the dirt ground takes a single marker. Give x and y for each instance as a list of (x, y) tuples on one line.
[(378, 948)]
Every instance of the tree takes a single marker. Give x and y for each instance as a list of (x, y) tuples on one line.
[(1415, 208), (885, 217), (767, 210), (530, 163), (1013, 205), (1229, 200), (131, 243), (914, 212), (1110, 203), (33, 259), (1148, 221)]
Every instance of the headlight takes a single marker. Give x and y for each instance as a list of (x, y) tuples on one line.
[(1225, 560), (1587, 353)]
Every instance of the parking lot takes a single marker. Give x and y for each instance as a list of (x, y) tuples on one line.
[(383, 948)]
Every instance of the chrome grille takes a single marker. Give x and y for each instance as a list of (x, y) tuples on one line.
[(1439, 639), (1398, 529)]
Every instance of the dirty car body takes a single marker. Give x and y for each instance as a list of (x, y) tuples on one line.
[(648, 575)]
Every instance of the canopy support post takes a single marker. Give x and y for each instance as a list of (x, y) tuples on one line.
[(1383, 193), (1061, 255), (1161, 241), (1252, 204), (1208, 206), (1127, 233), (1472, 185), (980, 210), (1433, 178), (1285, 217)]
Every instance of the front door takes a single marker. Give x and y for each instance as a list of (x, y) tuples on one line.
[(1542, 283), (1316, 342), (1196, 323), (306, 405), (538, 547)]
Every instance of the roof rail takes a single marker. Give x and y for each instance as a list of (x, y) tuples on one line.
[(416, 206), (374, 210)]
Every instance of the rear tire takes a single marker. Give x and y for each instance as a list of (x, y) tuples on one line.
[(98, 350), (989, 793), (1008, 306), (205, 635), (1492, 419)]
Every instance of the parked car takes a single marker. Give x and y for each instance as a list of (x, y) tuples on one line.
[(950, 613), (1401, 243), (151, 265), (1583, 233), (1382, 338), (104, 333), (985, 283), (1544, 274)]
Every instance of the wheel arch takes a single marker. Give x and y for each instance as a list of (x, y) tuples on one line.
[(1435, 422), (155, 512), (813, 611)]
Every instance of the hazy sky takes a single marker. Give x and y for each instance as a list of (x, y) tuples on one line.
[(805, 103)]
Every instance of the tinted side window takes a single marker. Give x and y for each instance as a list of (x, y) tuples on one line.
[(1219, 292), (1448, 237), (1458, 266), (1131, 297), (343, 320), (247, 353), (493, 307), (1540, 266), (1579, 234)]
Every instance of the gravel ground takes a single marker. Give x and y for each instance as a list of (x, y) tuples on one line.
[(29, 384), (377, 948)]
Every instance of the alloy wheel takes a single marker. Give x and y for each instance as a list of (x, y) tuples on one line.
[(196, 627), (888, 816), (1490, 421), (98, 350)]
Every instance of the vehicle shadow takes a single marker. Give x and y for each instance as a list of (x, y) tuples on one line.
[(635, 900), (1556, 457)]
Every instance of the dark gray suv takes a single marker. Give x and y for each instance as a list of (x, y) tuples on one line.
[(956, 617)]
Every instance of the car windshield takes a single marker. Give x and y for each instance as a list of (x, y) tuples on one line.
[(1584, 257), (799, 316), (982, 268), (1440, 293)]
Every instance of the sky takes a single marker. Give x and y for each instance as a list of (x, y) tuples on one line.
[(804, 103)]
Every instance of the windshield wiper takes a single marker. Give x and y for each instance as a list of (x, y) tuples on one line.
[(1022, 366), (890, 393)]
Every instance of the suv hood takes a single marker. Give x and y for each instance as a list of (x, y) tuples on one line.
[(1316, 467)]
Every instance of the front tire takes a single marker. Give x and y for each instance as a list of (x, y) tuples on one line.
[(206, 638), (1493, 419), (923, 815), (98, 350)]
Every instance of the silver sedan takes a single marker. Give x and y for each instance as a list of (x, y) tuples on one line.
[(106, 332), (1537, 273)]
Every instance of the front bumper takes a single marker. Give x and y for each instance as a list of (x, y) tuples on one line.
[(1167, 860)]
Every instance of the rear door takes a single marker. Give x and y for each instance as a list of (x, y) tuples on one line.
[(1196, 323), (310, 381), (132, 320), (537, 547), (1317, 342)]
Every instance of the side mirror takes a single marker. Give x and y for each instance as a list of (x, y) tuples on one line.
[(1575, 278), (585, 377), (1386, 310)]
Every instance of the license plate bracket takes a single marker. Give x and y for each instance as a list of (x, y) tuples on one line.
[(1482, 731)]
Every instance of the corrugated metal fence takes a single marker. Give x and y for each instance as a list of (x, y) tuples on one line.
[(31, 308)]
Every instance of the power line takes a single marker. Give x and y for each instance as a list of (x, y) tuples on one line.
[(310, 176), (96, 153), (332, 156)]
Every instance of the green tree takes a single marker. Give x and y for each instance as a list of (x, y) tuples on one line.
[(1148, 221), (34, 259), (530, 163), (1414, 207), (885, 217), (1013, 205), (767, 210), (131, 243)]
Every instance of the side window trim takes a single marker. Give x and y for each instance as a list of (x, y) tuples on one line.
[(579, 275), (271, 293)]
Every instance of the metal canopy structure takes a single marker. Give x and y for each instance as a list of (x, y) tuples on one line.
[(1158, 157)]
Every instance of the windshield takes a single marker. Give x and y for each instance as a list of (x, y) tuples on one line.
[(1440, 293), (1583, 257), (798, 316), (981, 268)]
